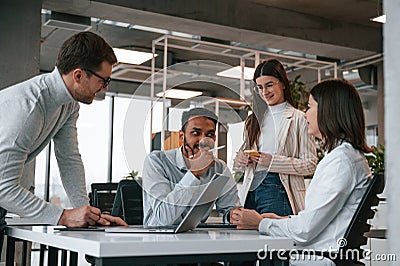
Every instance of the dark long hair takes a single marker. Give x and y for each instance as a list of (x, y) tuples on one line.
[(269, 67), (340, 114)]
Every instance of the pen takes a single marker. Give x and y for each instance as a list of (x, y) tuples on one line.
[(211, 150), (216, 148)]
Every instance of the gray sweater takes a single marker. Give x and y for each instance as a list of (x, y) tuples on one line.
[(31, 114)]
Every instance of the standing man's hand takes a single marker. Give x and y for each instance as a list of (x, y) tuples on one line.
[(80, 217)]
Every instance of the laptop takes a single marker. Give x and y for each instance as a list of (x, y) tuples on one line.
[(193, 217)]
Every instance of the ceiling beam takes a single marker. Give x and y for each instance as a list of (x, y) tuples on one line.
[(240, 21)]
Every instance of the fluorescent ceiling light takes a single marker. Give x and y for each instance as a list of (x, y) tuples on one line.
[(236, 73), (144, 28), (179, 94), (132, 57), (380, 19), (228, 101)]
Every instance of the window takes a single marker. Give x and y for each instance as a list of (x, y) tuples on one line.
[(132, 134)]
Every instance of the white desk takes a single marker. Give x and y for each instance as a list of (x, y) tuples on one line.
[(23, 221), (202, 245)]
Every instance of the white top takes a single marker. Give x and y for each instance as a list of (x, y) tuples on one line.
[(267, 142), (336, 189)]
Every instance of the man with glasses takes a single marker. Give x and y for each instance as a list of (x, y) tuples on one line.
[(45, 108)]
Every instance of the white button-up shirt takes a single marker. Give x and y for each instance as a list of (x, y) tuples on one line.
[(339, 182)]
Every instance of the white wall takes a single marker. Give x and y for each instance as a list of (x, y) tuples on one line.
[(392, 125)]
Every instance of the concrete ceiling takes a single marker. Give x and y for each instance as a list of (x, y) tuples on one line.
[(337, 30), (334, 28)]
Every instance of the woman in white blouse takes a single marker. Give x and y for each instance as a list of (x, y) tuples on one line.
[(335, 116)]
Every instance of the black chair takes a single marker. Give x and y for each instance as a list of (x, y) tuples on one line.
[(103, 195), (351, 253), (128, 202), (359, 223)]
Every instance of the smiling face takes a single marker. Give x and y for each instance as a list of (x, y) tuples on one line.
[(312, 118), (270, 90), (196, 129), (89, 84)]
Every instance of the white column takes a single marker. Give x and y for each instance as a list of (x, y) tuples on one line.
[(391, 46)]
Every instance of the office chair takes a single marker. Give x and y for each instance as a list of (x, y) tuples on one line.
[(351, 253), (359, 223), (128, 202), (102, 195)]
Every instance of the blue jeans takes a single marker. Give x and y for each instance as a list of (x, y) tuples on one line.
[(269, 196)]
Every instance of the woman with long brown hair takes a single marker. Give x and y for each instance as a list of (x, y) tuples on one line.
[(274, 176), (335, 116)]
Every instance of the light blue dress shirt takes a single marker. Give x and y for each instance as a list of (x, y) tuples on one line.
[(170, 188)]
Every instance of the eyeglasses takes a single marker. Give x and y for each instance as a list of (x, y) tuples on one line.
[(106, 81), (270, 84)]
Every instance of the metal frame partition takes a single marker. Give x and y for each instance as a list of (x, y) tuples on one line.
[(242, 54)]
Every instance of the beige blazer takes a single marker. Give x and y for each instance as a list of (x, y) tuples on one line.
[(296, 157)]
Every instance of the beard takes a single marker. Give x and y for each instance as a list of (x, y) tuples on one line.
[(186, 145)]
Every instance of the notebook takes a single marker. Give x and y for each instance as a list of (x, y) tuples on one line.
[(193, 217)]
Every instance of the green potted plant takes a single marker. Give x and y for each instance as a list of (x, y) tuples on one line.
[(134, 175), (376, 159), (299, 93)]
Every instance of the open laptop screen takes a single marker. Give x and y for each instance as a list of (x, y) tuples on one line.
[(202, 205)]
